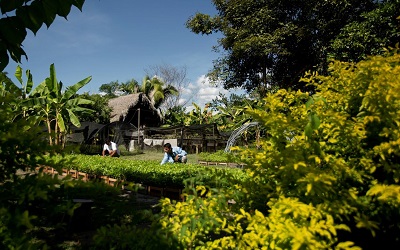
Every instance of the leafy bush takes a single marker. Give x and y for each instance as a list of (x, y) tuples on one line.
[(219, 156), (36, 209), (326, 178)]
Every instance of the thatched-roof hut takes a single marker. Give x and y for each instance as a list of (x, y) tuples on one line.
[(129, 108)]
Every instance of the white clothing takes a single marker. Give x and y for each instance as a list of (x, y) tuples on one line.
[(113, 147)]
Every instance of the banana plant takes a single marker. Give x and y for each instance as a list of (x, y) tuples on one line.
[(19, 93), (201, 116), (58, 107)]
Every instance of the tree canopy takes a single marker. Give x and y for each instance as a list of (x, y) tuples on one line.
[(273, 43)]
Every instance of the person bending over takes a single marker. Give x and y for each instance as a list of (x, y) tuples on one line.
[(110, 148), (173, 154)]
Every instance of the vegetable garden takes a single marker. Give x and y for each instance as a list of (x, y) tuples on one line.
[(147, 173)]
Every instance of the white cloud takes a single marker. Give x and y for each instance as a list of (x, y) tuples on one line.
[(203, 91), (182, 101)]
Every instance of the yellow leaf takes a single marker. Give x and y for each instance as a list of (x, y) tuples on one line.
[(309, 187)]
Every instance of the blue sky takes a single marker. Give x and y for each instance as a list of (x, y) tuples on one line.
[(116, 40)]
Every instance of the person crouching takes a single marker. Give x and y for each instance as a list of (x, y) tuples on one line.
[(173, 154)]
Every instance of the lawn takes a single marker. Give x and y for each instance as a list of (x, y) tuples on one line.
[(153, 155)]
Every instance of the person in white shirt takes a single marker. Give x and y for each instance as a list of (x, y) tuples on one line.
[(110, 148)]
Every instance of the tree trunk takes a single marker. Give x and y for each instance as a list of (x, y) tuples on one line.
[(49, 131)]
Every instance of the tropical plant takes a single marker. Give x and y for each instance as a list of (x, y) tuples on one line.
[(58, 107), (101, 111), (174, 116), (199, 116), (176, 77), (20, 93), (130, 87), (21, 148), (156, 90)]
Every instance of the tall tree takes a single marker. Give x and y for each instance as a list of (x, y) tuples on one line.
[(157, 91), (110, 89), (176, 77), (130, 87), (18, 16), (271, 42), (377, 30)]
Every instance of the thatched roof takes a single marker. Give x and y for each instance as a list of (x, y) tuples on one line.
[(125, 109)]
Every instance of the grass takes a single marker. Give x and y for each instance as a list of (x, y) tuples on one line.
[(153, 155)]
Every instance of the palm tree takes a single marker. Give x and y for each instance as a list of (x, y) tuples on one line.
[(157, 91), (130, 87)]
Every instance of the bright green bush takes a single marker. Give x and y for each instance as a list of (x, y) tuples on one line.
[(326, 177), (219, 156)]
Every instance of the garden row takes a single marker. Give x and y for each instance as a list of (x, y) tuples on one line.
[(146, 173)]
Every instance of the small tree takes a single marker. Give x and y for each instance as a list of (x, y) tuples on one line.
[(58, 107), (176, 77), (157, 91)]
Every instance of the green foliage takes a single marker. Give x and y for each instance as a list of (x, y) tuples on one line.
[(219, 156), (110, 89), (174, 116), (269, 43), (132, 237), (101, 111), (149, 172), (19, 16), (23, 199), (377, 29), (130, 87), (37, 210), (325, 178), (57, 106), (156, 90)]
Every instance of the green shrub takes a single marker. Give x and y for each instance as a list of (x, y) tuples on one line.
[(219, 156), (326, 177)]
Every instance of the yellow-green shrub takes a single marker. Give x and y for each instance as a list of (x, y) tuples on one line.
[(326, 177)]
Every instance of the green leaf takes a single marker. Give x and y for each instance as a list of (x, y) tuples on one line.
[(308, 131), (314, 121), (29, 82), (4, 59), (50, 9), (60, 121), (71, 90), (64, 7), (13, 31), (73, 118), (18, 74), (36, 16), (78, 4), (7, 6)]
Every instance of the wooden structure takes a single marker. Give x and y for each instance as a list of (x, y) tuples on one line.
[(193, 139)]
